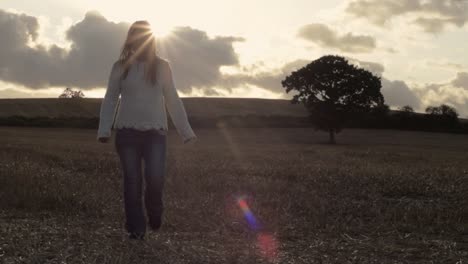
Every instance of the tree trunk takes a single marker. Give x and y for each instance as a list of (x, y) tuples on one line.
[(332, 136)]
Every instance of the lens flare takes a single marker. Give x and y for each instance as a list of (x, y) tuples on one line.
[(266, 243), (268, 246), (249, 216)]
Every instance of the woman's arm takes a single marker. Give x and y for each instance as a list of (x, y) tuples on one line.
[(108, 105), (175, 105)]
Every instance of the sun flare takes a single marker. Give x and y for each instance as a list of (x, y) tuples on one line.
[(160, 31)]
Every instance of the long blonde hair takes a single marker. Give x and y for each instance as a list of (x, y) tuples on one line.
[(140, 45)]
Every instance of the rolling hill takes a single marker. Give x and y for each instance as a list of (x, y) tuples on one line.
[(203, 112), (195, 106)]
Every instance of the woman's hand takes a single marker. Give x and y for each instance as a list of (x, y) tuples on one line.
[(103, 139), (191, 140)]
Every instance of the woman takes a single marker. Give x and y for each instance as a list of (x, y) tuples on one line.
[(145, 84)]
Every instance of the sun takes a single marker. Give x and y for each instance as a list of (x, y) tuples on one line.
[(159, 30)]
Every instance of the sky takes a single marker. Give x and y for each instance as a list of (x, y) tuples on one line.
[(240, 48)]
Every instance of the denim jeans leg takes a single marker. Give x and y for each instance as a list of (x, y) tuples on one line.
[(154, 156), (129, 149)]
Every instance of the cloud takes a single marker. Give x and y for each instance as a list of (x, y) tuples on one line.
[(196, 59), (380, 11), (374, 67), (15, 93), (324, 36), (268, 79), (431, 15), (461, 80), (437, 94), (453, 92), (95, 45), (445, 65), (432, 25), (397, 93)]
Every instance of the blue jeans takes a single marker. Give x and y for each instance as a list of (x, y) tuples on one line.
[(134, 146)]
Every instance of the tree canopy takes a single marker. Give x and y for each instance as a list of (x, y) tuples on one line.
[(70, 93), (444, 115), (333, 90)]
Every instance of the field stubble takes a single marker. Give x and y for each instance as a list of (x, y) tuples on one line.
[(377, 197)]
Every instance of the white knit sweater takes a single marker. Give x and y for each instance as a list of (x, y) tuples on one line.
[(143, 105)]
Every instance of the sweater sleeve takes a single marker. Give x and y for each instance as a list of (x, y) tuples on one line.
[(109, 102), (175, 105)]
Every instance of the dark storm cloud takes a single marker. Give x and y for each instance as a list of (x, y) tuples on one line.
[(95, 45), (325, 37), (431, 15)]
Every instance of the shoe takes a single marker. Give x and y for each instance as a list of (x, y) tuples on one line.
[(136, 235)]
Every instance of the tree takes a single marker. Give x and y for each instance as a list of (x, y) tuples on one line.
[(334, 90), (405, 117), (442, 110), (378, 116), (70, 93), (444, 115), (380, 110), (407, 109)]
